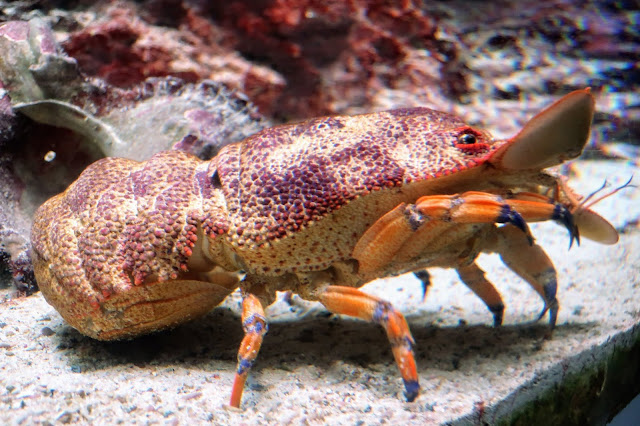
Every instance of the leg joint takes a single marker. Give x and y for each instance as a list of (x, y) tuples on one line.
[(255, 324), (381, 312), (414, 217), (244, 364)]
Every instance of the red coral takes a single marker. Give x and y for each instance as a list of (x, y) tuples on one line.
[(331, 53), (109, 50), (302, 38), (123, 48)]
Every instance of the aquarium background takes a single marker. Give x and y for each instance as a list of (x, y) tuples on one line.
[(80, 80)]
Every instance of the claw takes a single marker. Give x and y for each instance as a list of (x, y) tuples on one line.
[(553, 308), (544, 311), (549, 289), (593, 226), (509, 215), (536, 207), (563, 216)]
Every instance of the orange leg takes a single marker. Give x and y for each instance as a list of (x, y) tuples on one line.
[(255, 327), (533, 265), (474, 278), (535, 211), (432, 237), (394, 234), (408, 230), (378, 246), (353, 302)]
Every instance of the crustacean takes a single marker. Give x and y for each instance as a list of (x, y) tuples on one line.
[(318, 208)]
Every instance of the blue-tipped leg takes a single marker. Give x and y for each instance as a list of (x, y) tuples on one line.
[(412, 389), (563, 216), (509, 215)]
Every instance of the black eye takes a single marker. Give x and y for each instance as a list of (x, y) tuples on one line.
[(467, 139)]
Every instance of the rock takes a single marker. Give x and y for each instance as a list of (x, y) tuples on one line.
[(75, 120)]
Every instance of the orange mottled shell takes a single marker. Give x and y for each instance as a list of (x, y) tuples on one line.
[(131, 234), (280, 179)]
